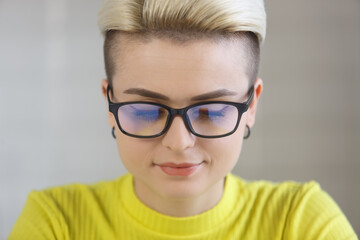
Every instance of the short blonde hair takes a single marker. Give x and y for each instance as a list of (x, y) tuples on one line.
[(182, 21), (198, 15)]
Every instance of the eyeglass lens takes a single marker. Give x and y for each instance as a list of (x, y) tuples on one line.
[(147, 119)]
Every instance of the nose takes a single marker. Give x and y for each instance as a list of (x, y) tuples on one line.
[(178, 137)]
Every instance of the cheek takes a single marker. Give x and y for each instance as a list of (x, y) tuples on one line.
[(224, 151), (134, 152)]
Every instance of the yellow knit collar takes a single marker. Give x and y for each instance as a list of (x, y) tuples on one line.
[(197, 224)]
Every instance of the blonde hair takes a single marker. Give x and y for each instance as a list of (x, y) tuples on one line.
[(182, 21), (199, 15)]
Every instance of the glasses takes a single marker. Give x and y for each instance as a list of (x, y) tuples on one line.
[(211, 119)]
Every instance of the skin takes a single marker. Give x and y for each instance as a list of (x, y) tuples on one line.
[(181, 72)]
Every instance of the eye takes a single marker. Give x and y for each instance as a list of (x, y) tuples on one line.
[(209, 112), (148, 112)]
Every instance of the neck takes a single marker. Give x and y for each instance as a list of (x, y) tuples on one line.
[(179, 206)]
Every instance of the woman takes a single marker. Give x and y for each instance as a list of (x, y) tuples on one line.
[(182, 90)]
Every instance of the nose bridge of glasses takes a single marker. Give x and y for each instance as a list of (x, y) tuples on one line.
[(178, 112)]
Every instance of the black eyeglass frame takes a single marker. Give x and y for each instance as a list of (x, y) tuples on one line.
[(241, 107)]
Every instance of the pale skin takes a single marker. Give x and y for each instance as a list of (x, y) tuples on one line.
[(180, 73)]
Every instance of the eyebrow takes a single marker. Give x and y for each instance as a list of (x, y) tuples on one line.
[(147, 93)]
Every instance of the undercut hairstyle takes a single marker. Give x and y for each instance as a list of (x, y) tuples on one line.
[(183, 22)]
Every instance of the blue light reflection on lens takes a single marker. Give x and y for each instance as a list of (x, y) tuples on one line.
[(205, 112), (147, 112)]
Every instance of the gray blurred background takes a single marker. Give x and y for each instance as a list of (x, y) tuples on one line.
[(53, 117)]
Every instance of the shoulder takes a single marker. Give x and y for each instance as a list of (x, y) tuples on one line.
[(81, 190), (61, 207), (68, 198), (267, 203), (315, 215), (275, 191), (302, 209), (76, 192)]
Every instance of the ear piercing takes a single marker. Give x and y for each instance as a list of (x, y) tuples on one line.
[(248, 132)]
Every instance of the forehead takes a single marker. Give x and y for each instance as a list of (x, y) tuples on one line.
[(179, 71)]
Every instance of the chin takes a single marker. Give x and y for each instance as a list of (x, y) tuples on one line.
[(180, 188)]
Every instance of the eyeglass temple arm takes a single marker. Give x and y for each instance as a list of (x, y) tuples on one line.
[(107, 94), (252, 89)]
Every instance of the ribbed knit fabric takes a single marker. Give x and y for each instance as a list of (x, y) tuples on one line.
[(247, 210)]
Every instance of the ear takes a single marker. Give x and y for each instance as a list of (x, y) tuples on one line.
[(258, 87), (104, 85)]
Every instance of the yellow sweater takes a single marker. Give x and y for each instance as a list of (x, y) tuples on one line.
[(247, 210)]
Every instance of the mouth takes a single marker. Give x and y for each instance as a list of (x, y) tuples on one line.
[(182, 169)]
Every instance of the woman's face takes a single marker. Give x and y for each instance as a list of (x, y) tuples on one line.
[(180, 73)]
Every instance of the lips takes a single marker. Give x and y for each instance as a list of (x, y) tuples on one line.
[(182, 169)]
